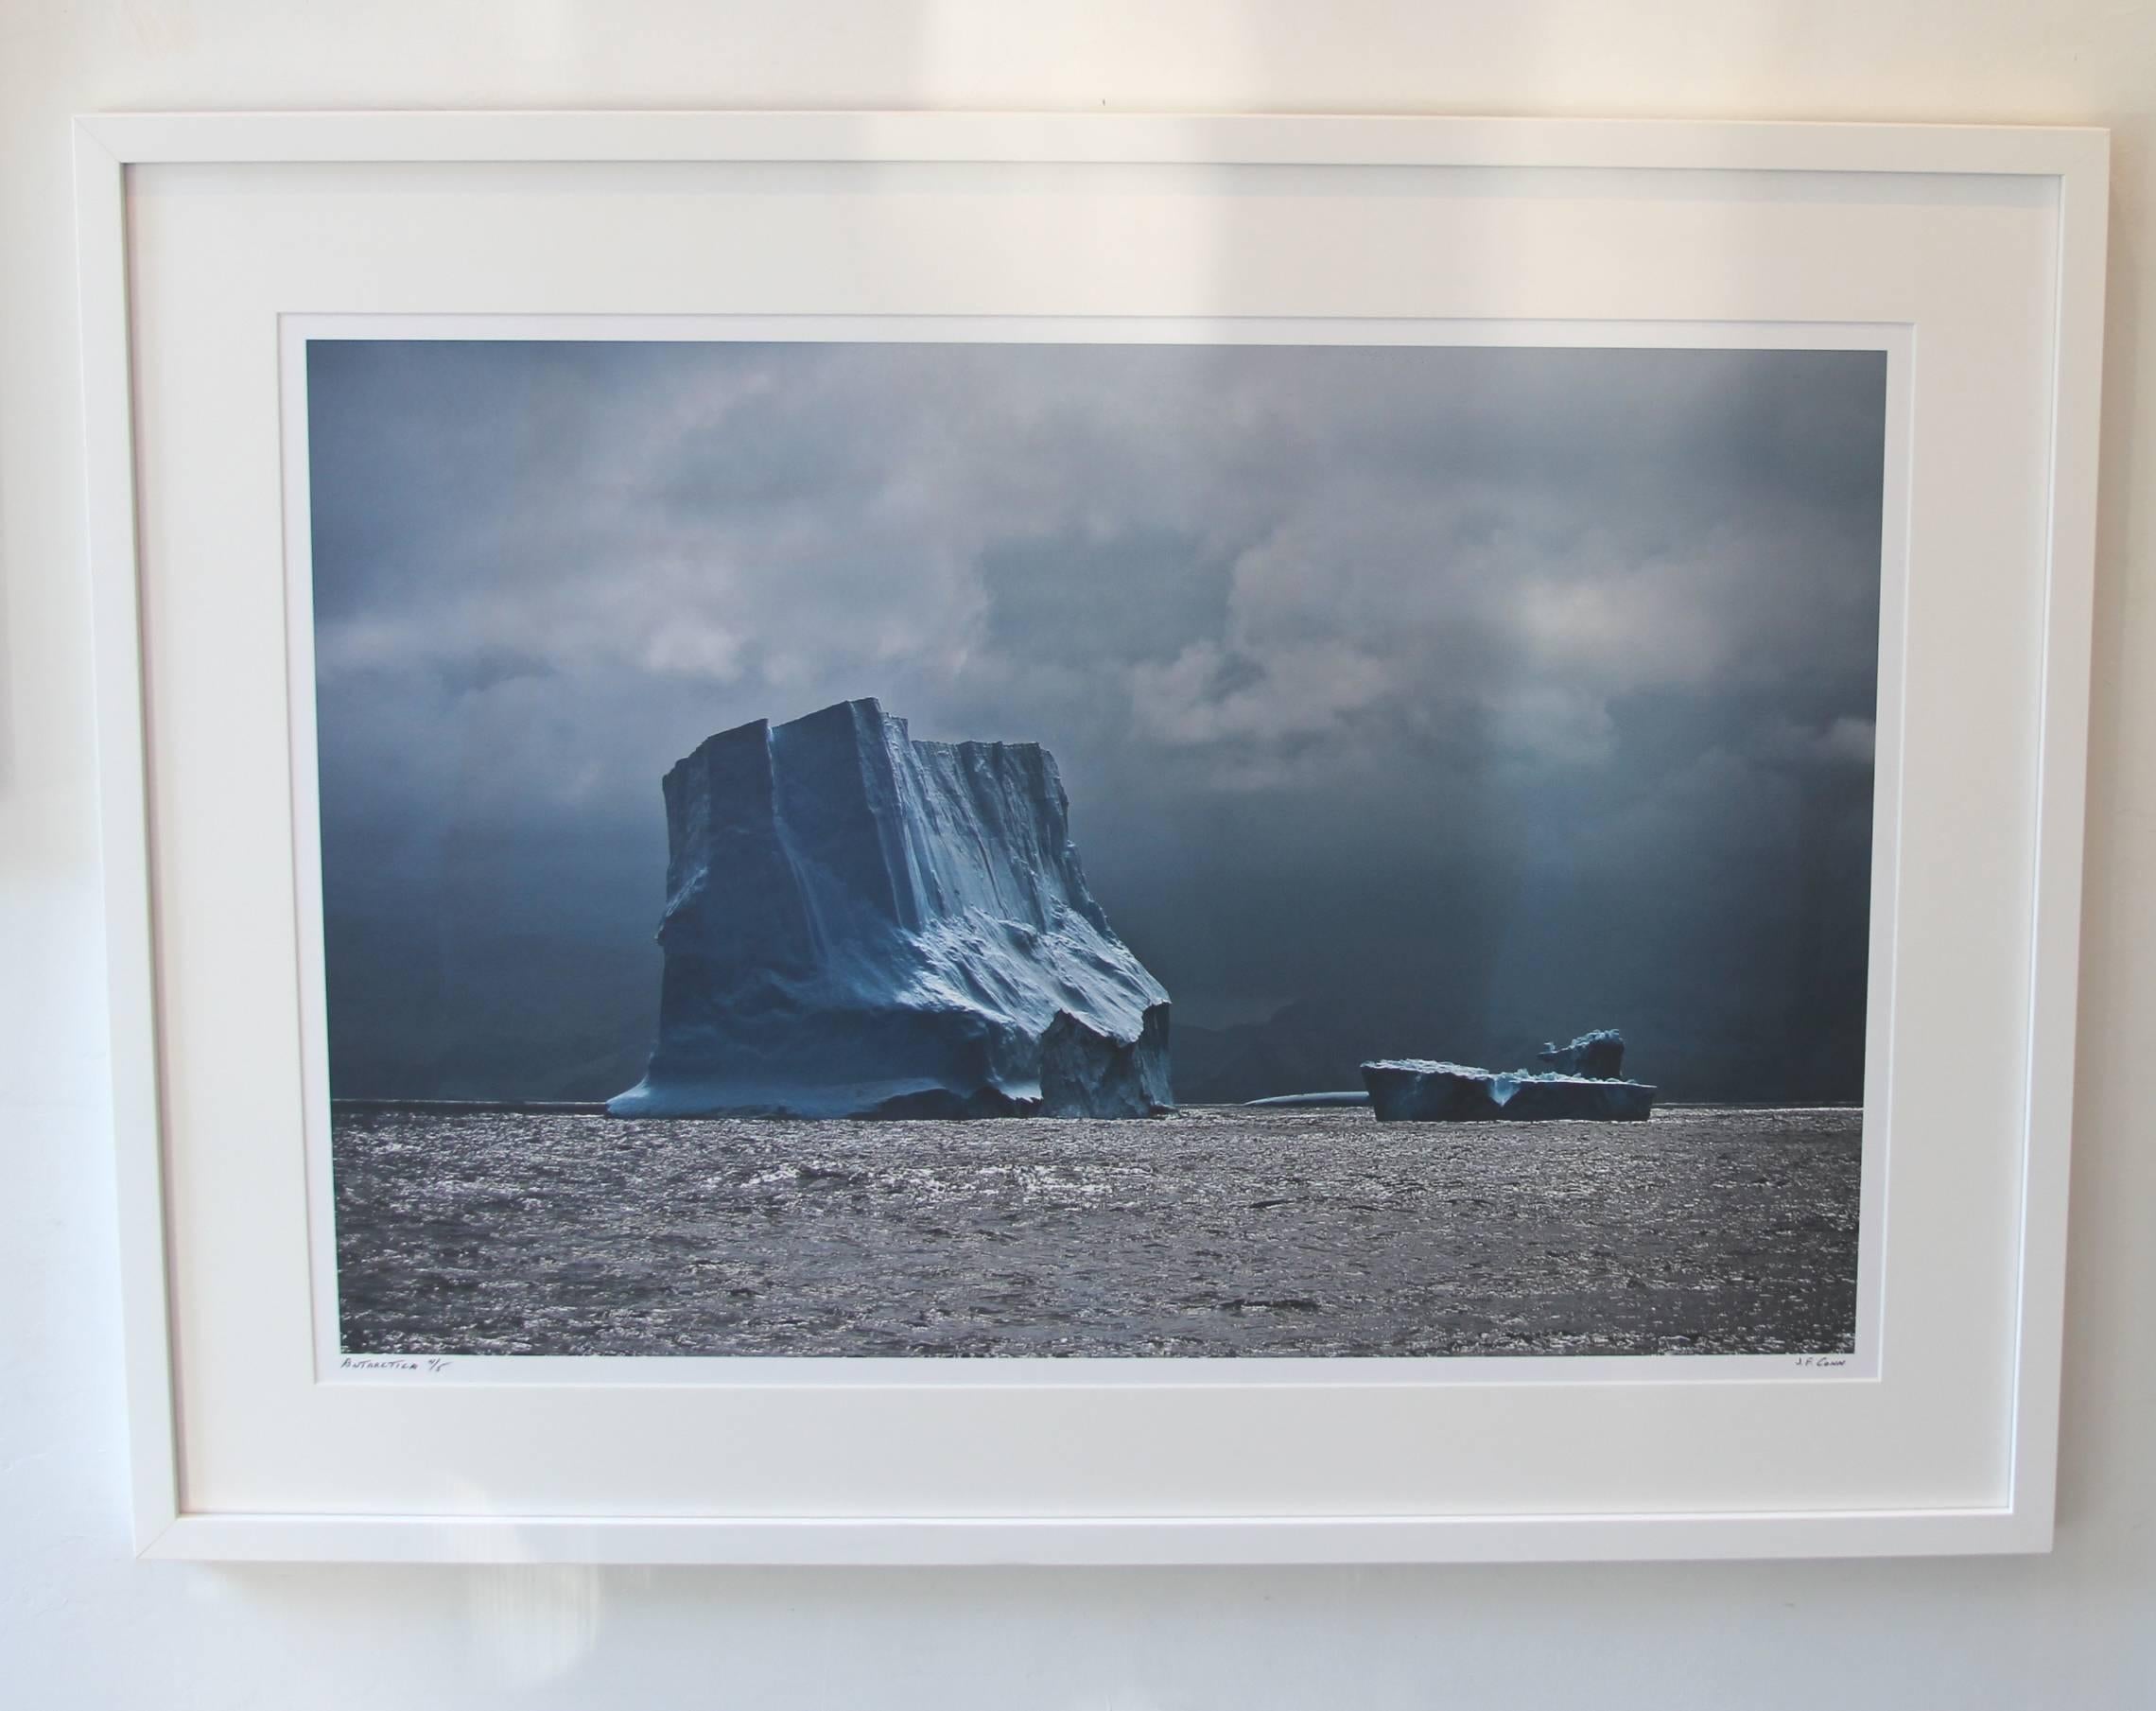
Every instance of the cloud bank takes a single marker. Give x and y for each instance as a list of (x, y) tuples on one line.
[(1457, 697)]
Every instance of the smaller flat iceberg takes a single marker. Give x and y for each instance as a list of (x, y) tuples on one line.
[(1417, 1090)]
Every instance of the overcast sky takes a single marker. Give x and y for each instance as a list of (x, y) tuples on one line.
[(1476, 692)]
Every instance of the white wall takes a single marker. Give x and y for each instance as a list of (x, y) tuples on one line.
[(81, 1624)]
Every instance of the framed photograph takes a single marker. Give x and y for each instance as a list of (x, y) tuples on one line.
[(907, 838)]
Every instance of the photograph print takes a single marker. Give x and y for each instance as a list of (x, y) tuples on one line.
[(902, 849)]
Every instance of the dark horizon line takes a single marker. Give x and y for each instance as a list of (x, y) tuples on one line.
[(598, 1107)]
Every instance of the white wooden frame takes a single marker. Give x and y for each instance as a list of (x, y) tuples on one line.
[(2073, 162)]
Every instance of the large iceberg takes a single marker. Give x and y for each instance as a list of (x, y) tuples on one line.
[(860, 923), (1415, 1090)]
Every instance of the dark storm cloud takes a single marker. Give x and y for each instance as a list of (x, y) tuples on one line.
[(1463, 693)]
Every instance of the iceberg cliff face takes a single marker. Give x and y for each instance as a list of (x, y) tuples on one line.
[(862, 924)]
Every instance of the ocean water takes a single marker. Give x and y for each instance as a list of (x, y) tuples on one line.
[(1218, 1230)]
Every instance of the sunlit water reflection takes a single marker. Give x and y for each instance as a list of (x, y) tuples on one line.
[(1219, 1231)]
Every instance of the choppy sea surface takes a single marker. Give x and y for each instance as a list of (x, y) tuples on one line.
[(1219, 1231)]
